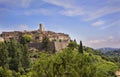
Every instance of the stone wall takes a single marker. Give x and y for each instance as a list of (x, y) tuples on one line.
[(36, 45), (57, 46), (60, 45)]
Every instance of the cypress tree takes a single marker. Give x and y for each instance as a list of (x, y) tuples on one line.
[(15, 55), (81, 47), (25, 52), (26, 57)]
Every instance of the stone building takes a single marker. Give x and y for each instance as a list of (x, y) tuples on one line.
[(59, 40), (1, 39)]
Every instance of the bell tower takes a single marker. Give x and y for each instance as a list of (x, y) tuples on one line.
[(41, 28)]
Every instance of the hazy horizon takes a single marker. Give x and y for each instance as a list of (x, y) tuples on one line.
[(96, 22)]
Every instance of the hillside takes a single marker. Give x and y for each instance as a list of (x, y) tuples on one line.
[(114, 53), (73, 61), (104, 50)]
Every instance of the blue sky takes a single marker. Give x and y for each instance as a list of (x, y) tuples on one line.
[(95, 22)]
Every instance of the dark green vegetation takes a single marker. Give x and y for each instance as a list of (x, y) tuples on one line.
[(45, 43), (74, 61), (15, 57), (26, 39), (113, 56)]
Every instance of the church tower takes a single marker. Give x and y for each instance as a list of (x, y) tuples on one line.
[(41, 28)]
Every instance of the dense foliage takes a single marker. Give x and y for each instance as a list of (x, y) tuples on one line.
[(70, 62), (113, 56), (14, 56), (26, 39), (73, 45)]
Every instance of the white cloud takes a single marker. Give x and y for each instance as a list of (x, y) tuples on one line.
[(69, 7), (4, 10), (98, 23), (115, 23), (20, 27), (62, 3), (72, 12), (16, 3), (100, 41), (110, 41), (28, 12), (89, 12), (110, 37), (23, 27), (96, 41), (97, 13), (36, 12)]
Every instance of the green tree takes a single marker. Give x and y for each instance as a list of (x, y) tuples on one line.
[(25, 52), (26, 57), (15, 55), (5, 73), (26, 39), (72, 45), (4, 55), (81, 47), (75, 41), (46, 43), (69, 63)]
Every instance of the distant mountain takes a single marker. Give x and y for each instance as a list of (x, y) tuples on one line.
[(110, 51), (114, 53), (104, 50)]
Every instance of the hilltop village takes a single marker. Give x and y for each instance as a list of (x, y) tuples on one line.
[(58, 40), (40, 56)]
